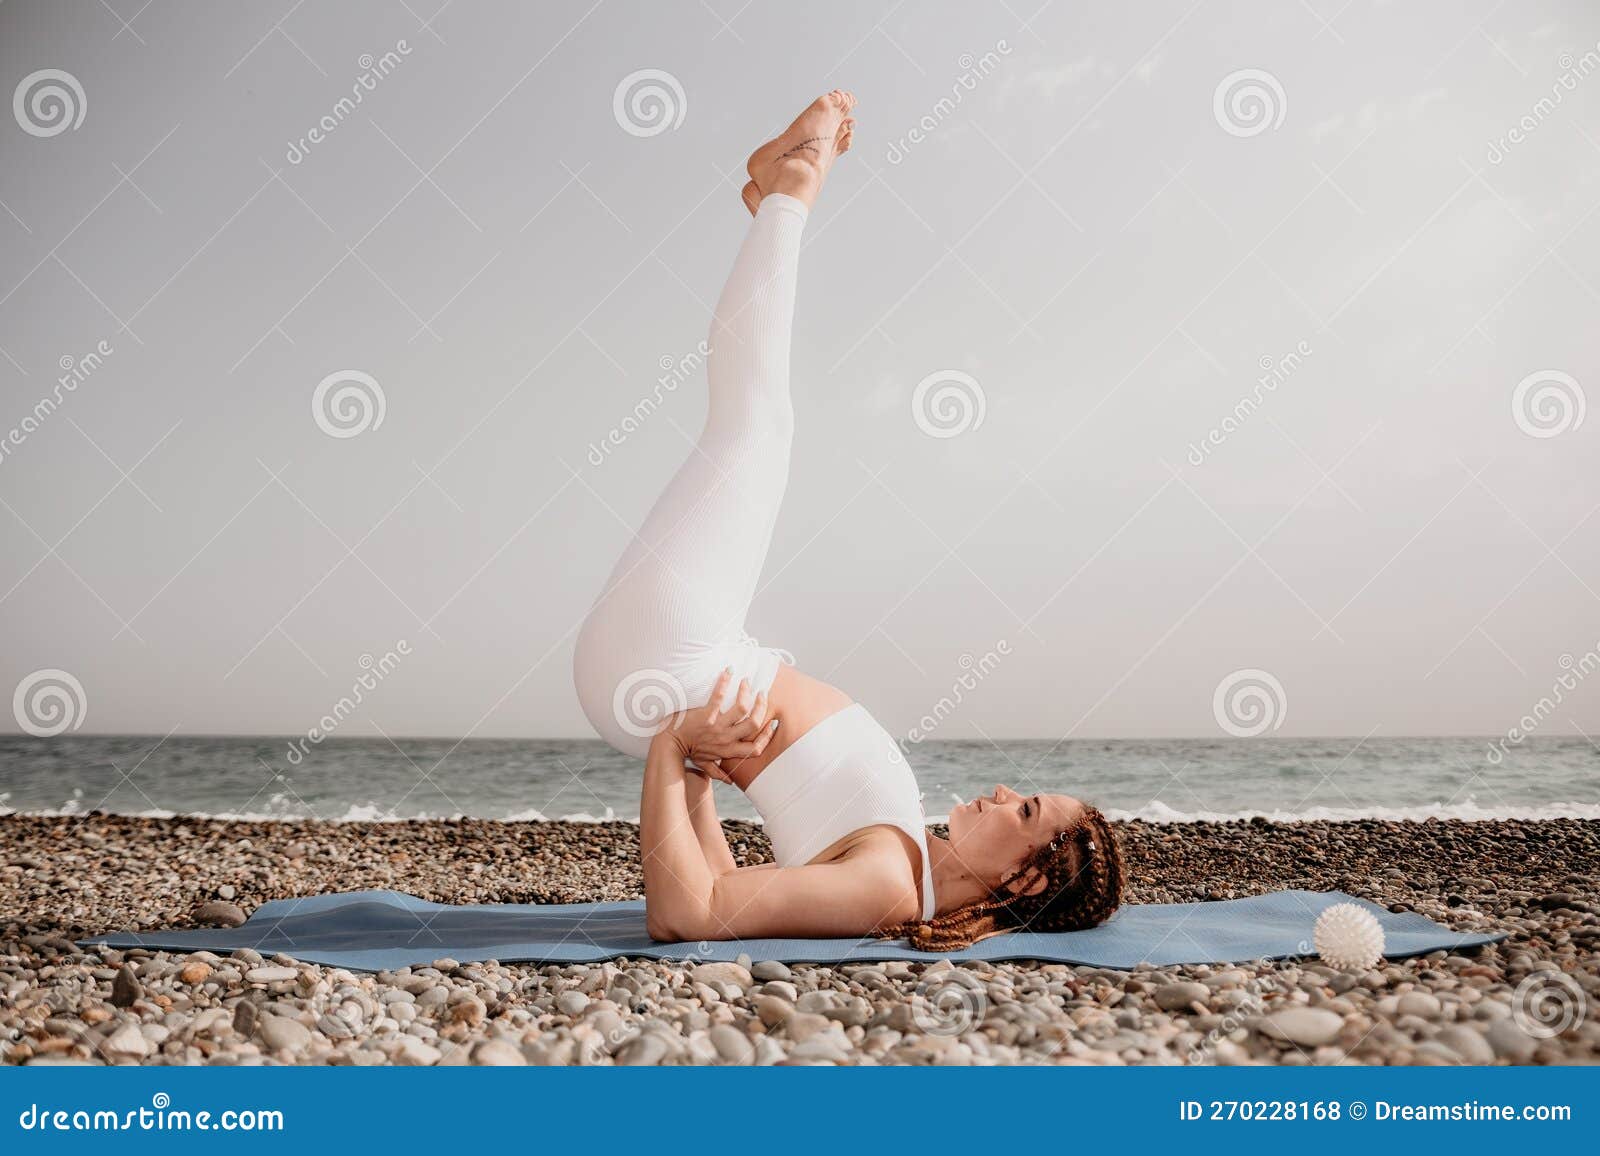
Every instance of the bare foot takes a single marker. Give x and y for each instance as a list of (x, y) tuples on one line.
[(796, 162)]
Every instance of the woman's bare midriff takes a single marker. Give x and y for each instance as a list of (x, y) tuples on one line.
[(799, 702)]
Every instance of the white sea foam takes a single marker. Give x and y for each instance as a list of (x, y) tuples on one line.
[(1470, 809), (281, 809)]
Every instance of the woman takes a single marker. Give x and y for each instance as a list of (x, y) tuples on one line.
[(839, 802)]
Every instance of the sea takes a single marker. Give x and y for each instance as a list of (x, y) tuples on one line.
[(1163, 781)]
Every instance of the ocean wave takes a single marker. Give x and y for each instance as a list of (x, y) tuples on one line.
[(282, 809), (1471, 809)]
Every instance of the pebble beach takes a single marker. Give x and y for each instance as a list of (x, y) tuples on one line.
[(1527, 1000)]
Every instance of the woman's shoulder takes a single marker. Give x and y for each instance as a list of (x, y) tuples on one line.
[(882, 853)]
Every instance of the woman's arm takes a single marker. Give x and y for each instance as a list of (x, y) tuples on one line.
[(687, 898), (699, 794)]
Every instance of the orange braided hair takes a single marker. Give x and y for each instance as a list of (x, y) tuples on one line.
[(1082, 869)]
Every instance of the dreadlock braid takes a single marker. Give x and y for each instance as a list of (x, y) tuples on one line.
[(1082, 869)]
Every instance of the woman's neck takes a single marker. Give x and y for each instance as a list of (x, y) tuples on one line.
[(954, 886)]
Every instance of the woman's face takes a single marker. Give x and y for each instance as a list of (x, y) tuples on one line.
[(994, 833)]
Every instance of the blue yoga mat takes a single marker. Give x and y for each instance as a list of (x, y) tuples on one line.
[(373, 930)]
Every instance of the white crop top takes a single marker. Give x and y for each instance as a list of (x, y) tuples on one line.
[(842, 775)]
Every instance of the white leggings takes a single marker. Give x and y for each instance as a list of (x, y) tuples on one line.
[(672, 614)]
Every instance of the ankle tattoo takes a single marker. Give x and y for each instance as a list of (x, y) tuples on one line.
[(808, 144)]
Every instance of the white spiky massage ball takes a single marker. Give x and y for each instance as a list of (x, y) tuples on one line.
[(1348, 937)]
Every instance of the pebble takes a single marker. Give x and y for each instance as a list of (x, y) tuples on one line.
[(732, 1045), (219, 914), (61, 1003), (335, 1027), (571, 1003), (730, 973), (645, 1049), (497, 1054), (126, 1043), (269, 974), (413, 1053), (1305, 1026), (1178, 996), (281, 1032), (469, 1010), (1471, 1046), (772, 1010), (801, 1026), (1419, 1003), (1510, 1042), (126, 988)]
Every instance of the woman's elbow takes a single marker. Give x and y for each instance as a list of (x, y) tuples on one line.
[(670, 923)]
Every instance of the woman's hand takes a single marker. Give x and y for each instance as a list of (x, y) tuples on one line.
[(710, 735)]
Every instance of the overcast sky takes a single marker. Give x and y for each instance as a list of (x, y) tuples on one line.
[(1066, 206)]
